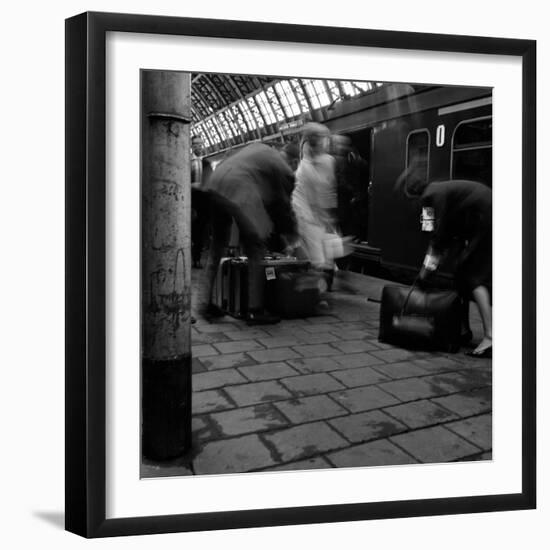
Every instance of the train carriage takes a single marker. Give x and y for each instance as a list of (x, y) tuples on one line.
[(446, 131)]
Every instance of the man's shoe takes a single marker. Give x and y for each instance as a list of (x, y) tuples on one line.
[(261, 318), (211, 312)]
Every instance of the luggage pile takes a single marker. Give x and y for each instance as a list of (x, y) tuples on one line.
[(291, 289)]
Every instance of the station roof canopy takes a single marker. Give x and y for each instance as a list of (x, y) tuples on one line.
[(230, 110)]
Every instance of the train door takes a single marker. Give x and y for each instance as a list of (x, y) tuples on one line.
[(362, 177)]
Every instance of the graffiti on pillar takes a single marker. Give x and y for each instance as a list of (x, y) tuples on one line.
[(168, 295)]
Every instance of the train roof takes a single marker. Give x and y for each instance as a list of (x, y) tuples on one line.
[(231, 110)]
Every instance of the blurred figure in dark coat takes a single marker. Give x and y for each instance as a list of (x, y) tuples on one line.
[(461, 211), (291, 154), (352, 184), (201, 170), (253, 188)]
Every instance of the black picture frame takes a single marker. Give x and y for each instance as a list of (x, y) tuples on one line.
[(86, 285)]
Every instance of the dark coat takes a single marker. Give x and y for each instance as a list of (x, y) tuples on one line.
[(199, 201), (206, 171), (258, 182), (463, 215)]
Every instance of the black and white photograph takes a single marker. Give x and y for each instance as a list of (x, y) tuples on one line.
[(316, 273), (274, 275), (301, 274)]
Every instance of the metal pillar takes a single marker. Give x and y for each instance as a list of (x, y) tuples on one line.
[(166, 261)]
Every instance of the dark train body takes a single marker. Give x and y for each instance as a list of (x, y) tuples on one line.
[(448, 128)]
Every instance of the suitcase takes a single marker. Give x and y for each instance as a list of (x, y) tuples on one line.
[(231, 286), (415, 318), (222, 285), (294, 294), (238, 292)]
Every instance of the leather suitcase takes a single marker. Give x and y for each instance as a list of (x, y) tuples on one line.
[(280, 273), (294, 294), (415, 318), (238, 292), (222, 285)]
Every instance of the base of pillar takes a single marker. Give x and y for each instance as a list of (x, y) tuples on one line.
[(166, 408)]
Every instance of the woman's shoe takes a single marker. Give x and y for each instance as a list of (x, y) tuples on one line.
[(487, 353)]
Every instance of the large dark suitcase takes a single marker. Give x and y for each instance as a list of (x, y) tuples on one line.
[(294, 294), (416, 318)]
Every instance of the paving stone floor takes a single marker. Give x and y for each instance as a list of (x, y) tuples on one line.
[(322, 392)]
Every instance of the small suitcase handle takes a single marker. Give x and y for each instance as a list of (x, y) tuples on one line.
[(405, 303)]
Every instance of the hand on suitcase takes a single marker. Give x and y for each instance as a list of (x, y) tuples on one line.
[(422, 280)]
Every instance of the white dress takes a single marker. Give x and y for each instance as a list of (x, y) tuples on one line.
[(313, 198)]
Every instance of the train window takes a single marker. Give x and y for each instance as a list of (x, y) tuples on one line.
[(418, 154), (472, 152), (472, 133)]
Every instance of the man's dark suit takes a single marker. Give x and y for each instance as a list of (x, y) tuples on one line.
[(200, 215), (252, 187)]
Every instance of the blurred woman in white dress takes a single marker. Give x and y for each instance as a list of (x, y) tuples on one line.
[(314, 198)]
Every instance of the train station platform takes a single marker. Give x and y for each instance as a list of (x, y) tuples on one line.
[(322, 392)]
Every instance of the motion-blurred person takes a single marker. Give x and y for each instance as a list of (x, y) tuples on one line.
[(314, 197), (462, 214), (291, 154), (352, 183), (201, 170), (252, 187), (340, 147)]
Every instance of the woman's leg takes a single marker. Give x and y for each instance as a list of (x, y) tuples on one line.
[(483, 300), (466, 332)]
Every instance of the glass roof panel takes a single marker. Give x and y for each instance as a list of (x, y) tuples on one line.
[(253, 109), (290, 98), (312, 93), (230, 109), (285, 104), (300, 95), (364, 86), (230, 117), (274, 102), (238, 117), (334, 89), (349, 89), (212, 131), (199, 129), (221, 127), (266, 108)]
